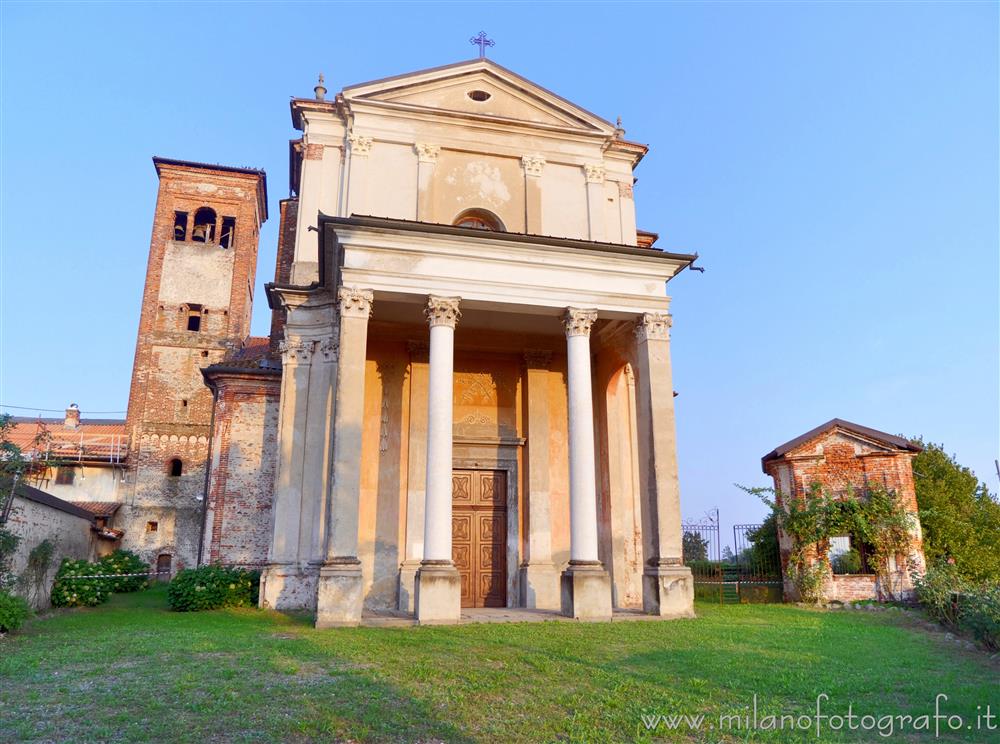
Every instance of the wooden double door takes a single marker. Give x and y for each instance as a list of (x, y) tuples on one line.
[(479, 535)]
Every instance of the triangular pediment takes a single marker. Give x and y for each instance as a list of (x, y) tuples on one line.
[(868, 440), (480, 88)]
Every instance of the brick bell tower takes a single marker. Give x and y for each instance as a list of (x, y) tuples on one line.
[(196, 309)]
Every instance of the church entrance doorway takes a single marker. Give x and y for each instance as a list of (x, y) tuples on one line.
[(479, 535)]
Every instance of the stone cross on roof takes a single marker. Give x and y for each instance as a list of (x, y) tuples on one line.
[(482, 42)]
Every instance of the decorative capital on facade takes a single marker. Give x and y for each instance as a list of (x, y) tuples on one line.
[(625, 190), (651, 326), (360, 145), (314, 151), (355, 303), (578, 321), (296, 350), (427, 153), (329, 350), (443, 311), (595, 172), (537, 358), (533, 164)]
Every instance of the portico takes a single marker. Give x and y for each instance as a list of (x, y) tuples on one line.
[(482, 428)]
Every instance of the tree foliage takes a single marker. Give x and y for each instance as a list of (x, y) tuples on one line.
[(959, 516), (695, 546)]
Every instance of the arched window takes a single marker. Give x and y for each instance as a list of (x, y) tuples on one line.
[(204, 226), (176, 468), (479, 219)]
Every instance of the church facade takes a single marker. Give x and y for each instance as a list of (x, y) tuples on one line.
[(465, 399)]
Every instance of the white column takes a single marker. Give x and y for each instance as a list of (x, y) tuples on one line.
[(443, 314), (585, 585), (582, 473), (439, 586), (357, 184), (416, 475)]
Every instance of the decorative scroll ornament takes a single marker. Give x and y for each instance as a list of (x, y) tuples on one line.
[(443, 311), (298, 351), (533, 164), (360, 145), (329, 349), (653, 326), (578, 321), (537, 358), (354, 302), (595, 172), (427, 153)]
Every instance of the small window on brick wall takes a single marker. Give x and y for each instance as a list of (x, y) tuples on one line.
[(180, 225), (152, 526), (175, 468), (194, 317), (228, 232)]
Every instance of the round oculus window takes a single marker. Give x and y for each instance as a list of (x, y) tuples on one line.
[(479, 95)]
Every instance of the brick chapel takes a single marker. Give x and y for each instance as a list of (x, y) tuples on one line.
[(465, 398)]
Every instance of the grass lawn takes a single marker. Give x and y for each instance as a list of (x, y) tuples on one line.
[(133, 671)]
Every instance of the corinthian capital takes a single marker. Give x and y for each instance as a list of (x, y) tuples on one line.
[(595, 172), (443, 311), (427, 153), (653, 326), (355, 303), (329, 350), (578, 321), (360, 145), (533, 164), (296, 351)]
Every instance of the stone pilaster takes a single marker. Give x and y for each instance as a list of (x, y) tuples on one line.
[(427, 156), (595, 201), (668, 589), (533, 166), (339, 595), (539, 578), (416, 476), (359, 181)]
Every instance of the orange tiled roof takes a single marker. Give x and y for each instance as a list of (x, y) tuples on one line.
[(98, 508), (97, 439)]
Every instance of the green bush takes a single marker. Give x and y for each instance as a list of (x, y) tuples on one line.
[(847, 563), (70, 590), (980, 614), (212, 587), (13, 612), (936, 591), (124, 562)]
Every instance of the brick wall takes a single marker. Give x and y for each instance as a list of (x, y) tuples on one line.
[(243, 463), (844, 463), (170, 409), (283, 265)]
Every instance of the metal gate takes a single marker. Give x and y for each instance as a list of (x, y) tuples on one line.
[(702, 549), (754, 575)]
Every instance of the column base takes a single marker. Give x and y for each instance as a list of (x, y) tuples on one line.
[(586, 592), (540, 586), (288, 586), (668, 591), (438, 595), (338, 594), (406, 601)]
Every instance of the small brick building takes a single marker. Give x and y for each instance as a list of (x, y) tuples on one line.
[(845, 458)]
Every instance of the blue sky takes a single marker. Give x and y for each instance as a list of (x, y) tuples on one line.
[(835, 165)]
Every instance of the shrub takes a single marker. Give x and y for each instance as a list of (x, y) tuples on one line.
[(980, 614), (848, 562), (936, 591), (13, 612), (212, 587), (69, 590), (124, 562)]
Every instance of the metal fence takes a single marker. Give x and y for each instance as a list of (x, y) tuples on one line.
[(703, 555), (756, 566)]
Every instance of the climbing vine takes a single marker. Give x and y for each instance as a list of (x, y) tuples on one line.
[(877, 517)]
